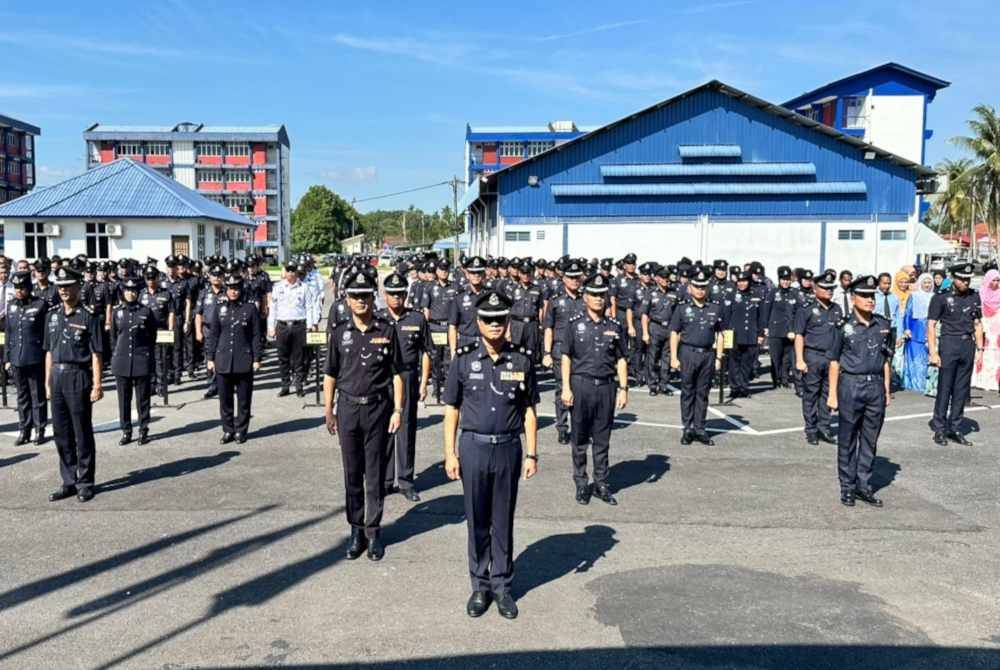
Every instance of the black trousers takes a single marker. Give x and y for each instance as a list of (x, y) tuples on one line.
[(240, 384), (73, 425), (815, 389), (490, 474), (526, 334), (742, 367), (32, 410), (163, 358), (697, 368), (142, 386), (562, 412), (637, 357), (658, 357), (593, 417), (781, 350), (177, 352), (363, 431), (401, 448), (861, 410), (958, 356), (290, 341), (190, 349), (439, 358)]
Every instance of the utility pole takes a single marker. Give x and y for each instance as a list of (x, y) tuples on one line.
[(454, 196), (405, 239)]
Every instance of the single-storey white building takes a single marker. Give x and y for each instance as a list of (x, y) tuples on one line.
[(121, 210)]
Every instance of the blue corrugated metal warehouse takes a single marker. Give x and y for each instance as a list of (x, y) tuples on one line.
[(711, 173)]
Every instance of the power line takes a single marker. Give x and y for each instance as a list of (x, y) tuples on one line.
[(411, 190)]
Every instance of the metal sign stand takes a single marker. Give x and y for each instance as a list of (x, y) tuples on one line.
[(3, 369)]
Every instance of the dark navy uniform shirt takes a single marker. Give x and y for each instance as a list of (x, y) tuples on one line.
[(659, 306), (720, 291), (208, 304), (745, 317), (25, 331), (818, 324), (49, 294), (339, 313), (561, 309), (363, 363), (594, 347), (463, 313), (413, 335), (233, 339), (492, 397), (696, 325), (956, 313), (779, 312), (135, 340), (180, 291), (625, 287), (73, 337), (438, 300), (161, 303), (526, 301), (861, 349)]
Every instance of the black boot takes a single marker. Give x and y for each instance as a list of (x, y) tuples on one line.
[(358, 544), (23, 438), (40, 438), (144, 436), (376, 550), (126, 438)]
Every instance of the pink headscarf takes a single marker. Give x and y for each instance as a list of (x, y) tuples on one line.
[(989, 297)]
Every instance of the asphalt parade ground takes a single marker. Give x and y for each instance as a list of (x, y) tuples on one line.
[(196, 555)]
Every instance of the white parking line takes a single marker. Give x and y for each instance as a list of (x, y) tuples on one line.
[(722, 415)]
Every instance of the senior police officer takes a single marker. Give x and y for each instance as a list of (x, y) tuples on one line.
[(562, 307), (73, 378), (292, 313), (363, 363), (462, 317), (233, 354), (491, 395), (414, 340), (860, 381), (594, 366), (655, 311), (955, 352), (815, 328), (133, 360), (745, 319), (24, 357), (696, 350)]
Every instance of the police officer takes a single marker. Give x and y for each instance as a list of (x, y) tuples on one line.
[(161, 302), (959, 347), (491, 395), (561, 308), (720, 289), (44, 289), (205, 313), (655, 311), (779, 312), (436, 303), (259, 288), (462, 318), (24, 328), (233, 353), (292, 314), (594, 366), (133, 360), (363, 361), (816, 324), (696, 350), (414, 342), (745, 319), (73, 376), (527, 306), (859, 391), (180, 291)]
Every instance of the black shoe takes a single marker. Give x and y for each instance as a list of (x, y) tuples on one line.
[(358, 544), (226, 438), (686, 438), (126, 438), (653, 391), (867, 497), (478, 603), (62, 493), (389, 489), (241, 438), (940, 439), (143, 436), (812, 439), (506, 605), (847, 499), (958, 438), (283, 392), (23, 438), (827, 437), (40, 438), (602, 492), (411, 495), (666, 392), (85, 495), (704, 439), (210, 394), (563, 437), (583, 493), (300, 392), (376, 550)]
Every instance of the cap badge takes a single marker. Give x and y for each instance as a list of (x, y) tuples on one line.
[(494, 300)]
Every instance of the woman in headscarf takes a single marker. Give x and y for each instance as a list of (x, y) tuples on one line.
[(987, 375), (900, 289), (914, 324)]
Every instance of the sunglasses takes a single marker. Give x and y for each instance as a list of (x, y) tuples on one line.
[(494, 320)]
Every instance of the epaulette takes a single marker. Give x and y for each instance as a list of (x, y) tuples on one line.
[(575, 317), (879, 317), (468, 348), (614, 320), (88, 309)]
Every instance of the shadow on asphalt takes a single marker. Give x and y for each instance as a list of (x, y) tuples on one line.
[(626, 474), (292, 426), (556, 556), (884, 473), (13, 460), (196, 427), (178, 468)]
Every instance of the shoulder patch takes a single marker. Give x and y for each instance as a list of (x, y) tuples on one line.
[(461, 351), (575, 317), (88, 309)]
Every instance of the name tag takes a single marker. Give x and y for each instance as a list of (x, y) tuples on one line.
[(476, 375), (610, 332), (413, 328), (315, 339), (380, 340), (439, 339), (77, 326), (164, 337), (508, 376)]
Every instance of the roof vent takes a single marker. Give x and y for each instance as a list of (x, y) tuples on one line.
[(187, 127), (562, 126)]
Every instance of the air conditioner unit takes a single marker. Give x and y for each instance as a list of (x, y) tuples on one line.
[(114, 229), (51, 230)]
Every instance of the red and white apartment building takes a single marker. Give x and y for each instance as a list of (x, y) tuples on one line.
[(17, 157), (246, 168)]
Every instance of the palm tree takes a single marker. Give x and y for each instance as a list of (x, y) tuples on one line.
[(952, 206), (984, 175)]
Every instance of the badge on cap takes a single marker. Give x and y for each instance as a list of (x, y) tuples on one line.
[(494, 300)]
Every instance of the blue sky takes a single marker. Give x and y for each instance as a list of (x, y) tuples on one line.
[(376, 96)]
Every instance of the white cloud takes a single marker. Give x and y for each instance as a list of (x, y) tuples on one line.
[(48, 175), (353, 175), (591, 31), (441, 53)]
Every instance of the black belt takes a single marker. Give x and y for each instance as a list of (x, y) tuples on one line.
[(442, 322), (864, 375), (365, 399), (70, 366), (598, 381), (660, 323), (964, 336), (821, 350), (291, 323), (487, 438), (693, 346), (524, 319)]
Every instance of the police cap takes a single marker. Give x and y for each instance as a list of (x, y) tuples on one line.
[(699, 277), (784, 272), (720, 264), (572, 268), (359, 284), (492, 303), (827, 280), (131, 283), (476, 264), (21, 280), (234, 281), (629, 259), (171, 261), (151, 273), (67, 277), (395, 283), (215, 271), (864, 285), (961, 271)]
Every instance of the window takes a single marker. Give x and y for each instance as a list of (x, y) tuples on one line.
[(201, 240), (535, 148), (241, 203), (854, 113), (97, 240), (218, 240), (11, 139), (28, 145), (239, 177), (35, 243), (217, 198), (128, 149), (209, 149), (517, 236), (539, 234), (14, 169), (853, 234), (29, 174), (508, 149), (158, 149), (209, 175), (238, 150), (892, 235)]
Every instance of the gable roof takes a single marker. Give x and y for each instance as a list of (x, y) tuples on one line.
[(771, 108), (932, 82), (120, 189)]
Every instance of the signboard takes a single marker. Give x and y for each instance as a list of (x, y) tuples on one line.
[(315, 339), (165, 337)]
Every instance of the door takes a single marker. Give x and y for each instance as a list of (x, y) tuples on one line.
[(180, 244)]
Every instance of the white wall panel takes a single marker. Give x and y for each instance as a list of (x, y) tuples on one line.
[(661, 239), (773, 243), (896, 124)]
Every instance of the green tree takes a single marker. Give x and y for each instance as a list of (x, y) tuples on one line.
[(320, 221), (952, 208), (983, 177)]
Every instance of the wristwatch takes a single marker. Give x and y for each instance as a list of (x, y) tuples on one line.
[(623, 388), (533, 457)]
